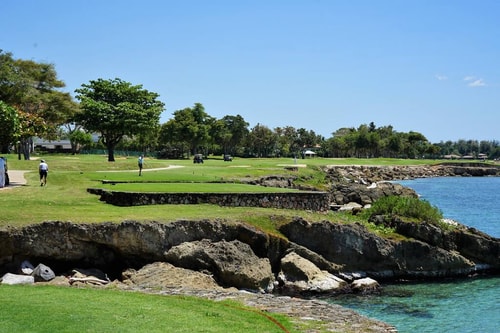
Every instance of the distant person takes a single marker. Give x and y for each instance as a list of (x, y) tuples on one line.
[(140, 163), (43, 170), (3, 169)]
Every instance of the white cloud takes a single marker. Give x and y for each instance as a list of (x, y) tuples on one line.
[(477, 83), (473, 81), (441, 77)]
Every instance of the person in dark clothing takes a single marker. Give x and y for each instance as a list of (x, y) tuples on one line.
[(140, 163)]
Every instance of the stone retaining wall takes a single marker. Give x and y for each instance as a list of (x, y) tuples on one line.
[(315, 201)]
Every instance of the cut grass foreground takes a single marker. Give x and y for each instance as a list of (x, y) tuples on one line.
[(62, 309)]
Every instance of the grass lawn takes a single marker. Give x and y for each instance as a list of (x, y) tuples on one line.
[(192, 187), (64, 309), (65, 197)]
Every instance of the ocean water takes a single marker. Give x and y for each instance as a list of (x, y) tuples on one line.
[(456, 305)]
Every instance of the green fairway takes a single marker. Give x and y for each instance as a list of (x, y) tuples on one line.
[(64, 309), (66, 198), (192, 188)]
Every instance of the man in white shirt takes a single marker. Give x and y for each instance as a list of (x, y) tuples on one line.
[(43, 170)]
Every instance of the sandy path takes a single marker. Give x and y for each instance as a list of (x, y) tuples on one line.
[(16, 178)]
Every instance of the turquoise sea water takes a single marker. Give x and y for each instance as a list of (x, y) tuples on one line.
[(458, 306)]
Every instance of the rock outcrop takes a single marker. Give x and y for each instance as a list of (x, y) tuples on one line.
[(348, 193), (468, 242), (357, 249), (311, 258), (233, 264)]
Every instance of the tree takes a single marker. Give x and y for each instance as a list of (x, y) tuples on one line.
[(342, 142), (261, 141), (32, 88), (78, 139), (287, 141), (362, 143), (416, 145), (190, 126), (31, 125), (9, 126), (115, 108), (229, 132), (170, 145)]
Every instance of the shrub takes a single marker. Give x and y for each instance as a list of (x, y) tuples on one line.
[(405, 207)]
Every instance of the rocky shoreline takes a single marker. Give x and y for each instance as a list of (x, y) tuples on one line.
[(365, 184)]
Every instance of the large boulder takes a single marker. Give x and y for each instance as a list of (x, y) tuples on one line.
[(10, 278), (161, 275), (299, 275), (43, 273), (232, 263)]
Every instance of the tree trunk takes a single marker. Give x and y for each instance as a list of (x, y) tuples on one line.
[(111, 152), (74, 147), (25, 148)]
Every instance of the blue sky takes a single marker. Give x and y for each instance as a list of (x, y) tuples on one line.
[(430, 66)]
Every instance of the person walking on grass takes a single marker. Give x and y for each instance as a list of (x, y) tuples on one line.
[(43, 170), (140, 162)]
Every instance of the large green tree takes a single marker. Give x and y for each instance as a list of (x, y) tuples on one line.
[(261, 141), (189, 126), (229, 133), (115, 109), (9, 126), (33, 89)]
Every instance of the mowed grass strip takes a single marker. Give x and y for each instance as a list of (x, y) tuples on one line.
[(193, 188), (65, 309)]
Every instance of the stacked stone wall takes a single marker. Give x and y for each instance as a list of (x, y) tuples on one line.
[(314, 201)]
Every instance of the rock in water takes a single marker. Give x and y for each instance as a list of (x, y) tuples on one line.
[(365, 286), (43, 273)]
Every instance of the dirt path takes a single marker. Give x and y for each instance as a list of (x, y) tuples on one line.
[(16, 178)]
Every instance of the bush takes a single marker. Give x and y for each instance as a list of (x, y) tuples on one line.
[(405, 207)]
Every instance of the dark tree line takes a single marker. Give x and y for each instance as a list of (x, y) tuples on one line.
[(192, 130)]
